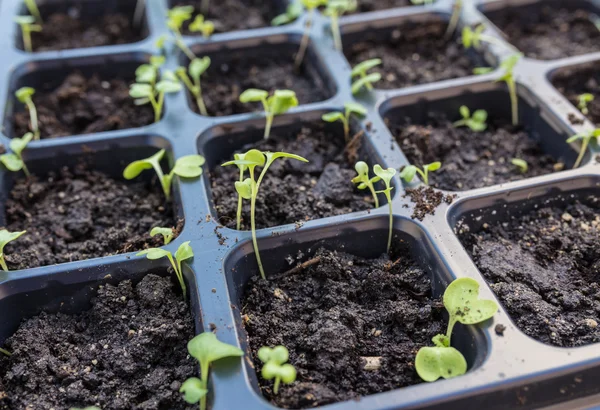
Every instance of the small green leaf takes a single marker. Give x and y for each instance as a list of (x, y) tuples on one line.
[(312, 4), (24, 94), (255, 156), (206, 348), (17, 145), (11, 162), (432, 363), (362, 68), (480, 116), (24, 20), (184, 252), (272, 156), (153, 253), (157, 61), (189, 166), (167, 233), (282, 101), (168, 86), (333, 117), (482, 70), (355, 108), (576, 137), (278, 354), (462, 302), (6, 237), (244, 189), (136, 167), (521, 164), (141, 90), (434, 166), (408, 173), (465, 112), (293, 11), (362, 168), (192, 390), (253, 95), (145, 73), (385, 174), (362, 82), (198, 66)]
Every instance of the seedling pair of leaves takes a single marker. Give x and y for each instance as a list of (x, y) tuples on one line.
[(349, 110), (279, 103), (583, 101), (276, 366), (206, 349), (474, 38), (5, 238), (25, 96), (14, 161), (28, 25), (461, 300), (408, 172), (197, 67), (147, 90), (176, 17), (363, 78), (189, 166), (586, 139), (476, 122), (247, 188)]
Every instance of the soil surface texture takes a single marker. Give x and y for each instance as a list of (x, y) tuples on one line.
[(547, 32), (573, 82), (471, 159), (232, 15), (127, 352), (374, 5), (67, 31), (545, 268), (77, 214), (414, 54), (333, 315), (426, 200), (293, 191), (83, 105), (223, 83)]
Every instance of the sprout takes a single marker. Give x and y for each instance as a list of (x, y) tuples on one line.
[(205, 348), (365, 80), (5, 238), (155, 93), (5, 352), (409, 172), (335, 9), (461, 300), (584, 100), (14, 161), (24, 95), (33, 9), (521, 164), (276, 367), (197, 67), (363, 180), (292, 12), (310, 5), (175, 19), (454, 18), (189, 166), (586, 138), (474, 38), (424, 2), (28, 26), (200, 25), (183, 252), (149, 73), (386, 176), (240, 158), (349, 109), (248, 188), (508, 66), (279, 103), (167, 233), (475, 123)]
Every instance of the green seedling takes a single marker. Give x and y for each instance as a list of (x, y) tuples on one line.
[(183, 252), (335, 9), (276, 366), (364, 79), (279, 103), (364, 181), (205, 348), (189, 166), (34, 10), (521, 164), (240, 158), (409, 172), (201, 25), (176, 17), (586, 138), (507, 66), (293, 11), (349, 110), (309, 5), (474, 38), (5, 238), (461, 300), (14, 161), (5, 352), (584, 100), (422, 2), (386, 176), (154, 94), (167, 233), (475, 122), (454, 18), (149, 73), (24, 95), (28, 26), (197, 67), (249, 187)]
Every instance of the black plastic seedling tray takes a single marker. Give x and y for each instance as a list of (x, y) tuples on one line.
[(510, 371)]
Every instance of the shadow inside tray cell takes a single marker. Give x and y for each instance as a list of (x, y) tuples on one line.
[(77, 205), (77, 96), (268, 66), (538, 250), (73, 24), (423, 126), (292, 191), (547, 30), (576, 81), (414, 51), (349, 302)]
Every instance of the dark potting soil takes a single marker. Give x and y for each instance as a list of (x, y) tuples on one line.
[(545, 268), (373, 5), (548, 32), (414, 54), (293, 191), (427, 200), (574, 82), (128, 351), (223, 83), (231, 15), (333, 315), (68, 31), (75, 214), (471, 159), (82, 105)]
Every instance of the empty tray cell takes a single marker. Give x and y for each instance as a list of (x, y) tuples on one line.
[(548, 30), (541, 257), (573, 83)]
